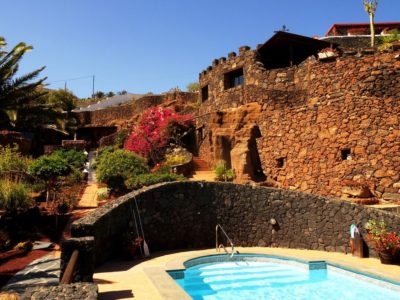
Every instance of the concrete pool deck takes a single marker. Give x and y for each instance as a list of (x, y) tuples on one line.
[(147, 279)]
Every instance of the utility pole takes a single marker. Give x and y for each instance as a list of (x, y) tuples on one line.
[(65, 86), (93, 88)]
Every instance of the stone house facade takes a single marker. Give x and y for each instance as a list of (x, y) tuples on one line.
[(309, 126)]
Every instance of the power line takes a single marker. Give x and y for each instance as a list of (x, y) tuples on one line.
[(71, 79)]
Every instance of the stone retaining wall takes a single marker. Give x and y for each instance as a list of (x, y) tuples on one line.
[(308, 115), (184, 215), (121, 115)]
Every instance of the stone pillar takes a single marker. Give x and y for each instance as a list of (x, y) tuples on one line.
[(84, 268)]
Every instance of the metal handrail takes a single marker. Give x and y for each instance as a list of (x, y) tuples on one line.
[(218, 246)]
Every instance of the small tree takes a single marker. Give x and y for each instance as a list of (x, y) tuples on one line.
[(74, 158), (99, 95), (63, 100), (193, 87), (110, 94), (370, 7), (49, 168)]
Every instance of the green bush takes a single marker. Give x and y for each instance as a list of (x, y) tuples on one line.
[(121, 138), (223, 174), (142, 180), (386, 41), (12, 160), (102, 152), (73, 157), (219, 171), (116, 167), (162, 169), (37, 187), (76, 176), (394, 35), (49, 167), (230, 175), (103, 193), (14, 195)]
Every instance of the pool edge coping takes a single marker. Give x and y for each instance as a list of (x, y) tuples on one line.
[(168, 288)]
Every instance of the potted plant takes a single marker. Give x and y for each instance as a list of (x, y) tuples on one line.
[(387, 244)]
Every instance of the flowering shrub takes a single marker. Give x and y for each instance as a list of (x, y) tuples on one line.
[(383, 241), (155, 129), (175, 159)]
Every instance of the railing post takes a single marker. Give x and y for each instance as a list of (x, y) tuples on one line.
[(226, 235)]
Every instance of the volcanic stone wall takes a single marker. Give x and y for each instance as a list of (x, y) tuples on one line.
[(122, 115), (113, 115), (184, 215), (312, 115)]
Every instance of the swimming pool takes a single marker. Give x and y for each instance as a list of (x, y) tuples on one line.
[(263, 277)]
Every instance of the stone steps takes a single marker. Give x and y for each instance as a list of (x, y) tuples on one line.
[(200, 164), (203, 175), (201, 171)]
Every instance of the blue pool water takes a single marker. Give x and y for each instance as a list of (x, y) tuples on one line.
[(276, 280)]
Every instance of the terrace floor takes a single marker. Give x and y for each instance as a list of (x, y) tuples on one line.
[(138, 279)]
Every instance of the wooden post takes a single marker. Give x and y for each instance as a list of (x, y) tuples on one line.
[(69, 271)]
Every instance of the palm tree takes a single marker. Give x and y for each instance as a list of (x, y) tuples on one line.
[(370, 7), (16, 92)]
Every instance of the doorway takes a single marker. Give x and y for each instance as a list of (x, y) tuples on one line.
[(256, 173)]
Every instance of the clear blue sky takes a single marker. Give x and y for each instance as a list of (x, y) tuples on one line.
[(154, 45)]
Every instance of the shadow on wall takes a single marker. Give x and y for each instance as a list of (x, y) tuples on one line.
[(184, 215)]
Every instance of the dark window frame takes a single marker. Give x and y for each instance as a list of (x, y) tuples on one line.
[(234, 78), (204, 93), (281, 162), (345, 154)]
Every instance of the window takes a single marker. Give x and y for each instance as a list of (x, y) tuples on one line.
[(204, 93), (345, 154), (234, 78), (280, 162)]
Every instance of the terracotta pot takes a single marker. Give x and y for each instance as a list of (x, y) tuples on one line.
[(387, 258)]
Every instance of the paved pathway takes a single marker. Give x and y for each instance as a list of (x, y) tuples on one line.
[(42, 271), (89, 197)]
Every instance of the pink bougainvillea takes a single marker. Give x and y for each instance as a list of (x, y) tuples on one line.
[(153, 133)]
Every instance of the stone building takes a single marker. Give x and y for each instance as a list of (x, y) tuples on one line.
[(276, 113), (358, 35)]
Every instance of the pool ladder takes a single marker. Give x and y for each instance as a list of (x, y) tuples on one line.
[(219, 246)]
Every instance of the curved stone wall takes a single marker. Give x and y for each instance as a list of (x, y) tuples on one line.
[(184, 215)]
